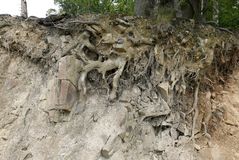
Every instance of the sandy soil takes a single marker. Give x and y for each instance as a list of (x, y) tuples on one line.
[(224, 144)]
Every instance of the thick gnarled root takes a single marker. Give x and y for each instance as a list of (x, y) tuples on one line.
[(102, 67)]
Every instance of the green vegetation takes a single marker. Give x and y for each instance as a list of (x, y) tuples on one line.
[(227, 10), (229, 13), (76, 7), (165, 14)]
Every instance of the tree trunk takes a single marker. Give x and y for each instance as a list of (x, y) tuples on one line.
[(145, 8), (177, 9), (187, 11), (215, 16), (196, 5), (24, 9)]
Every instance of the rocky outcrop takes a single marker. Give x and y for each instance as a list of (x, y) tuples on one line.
[(108, 88)]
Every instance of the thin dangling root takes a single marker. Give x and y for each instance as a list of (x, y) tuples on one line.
[(196, 113), (208, 115)]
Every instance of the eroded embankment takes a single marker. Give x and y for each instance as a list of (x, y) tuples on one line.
[(110, 88)]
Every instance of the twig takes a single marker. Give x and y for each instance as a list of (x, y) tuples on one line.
[(225, 29), (123, 22), (213, 23), (28, 110), (150, 62), (229, 123), (60, 27), (86, 22)]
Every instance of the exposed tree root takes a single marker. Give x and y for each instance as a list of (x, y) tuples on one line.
[(85, 22), (148, 65), (196, 111), (230, 124), (208, 115), (102, 68), (123, 22)]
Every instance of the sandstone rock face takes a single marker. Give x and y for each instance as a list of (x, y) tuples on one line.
[(67, 95), (69, 68), (67, 80), (86, 90)]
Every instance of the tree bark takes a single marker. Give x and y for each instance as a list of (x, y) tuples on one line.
[(24, 13), (196, 5), (215, 16), (145, 8), (177, 9)]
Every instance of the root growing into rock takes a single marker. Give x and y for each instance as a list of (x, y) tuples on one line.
[(103, 67)]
